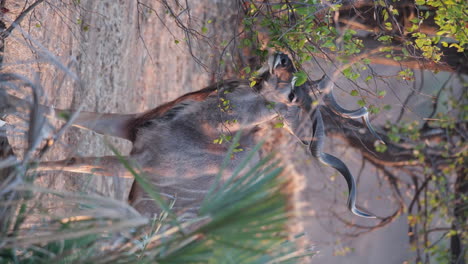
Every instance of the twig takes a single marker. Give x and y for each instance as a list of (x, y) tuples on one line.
[(18, 20)]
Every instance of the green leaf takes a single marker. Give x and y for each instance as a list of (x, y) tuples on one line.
[(385, 38), (385, 14), (270, 105), (361, 102), (246, 42), (301, 78), (388, 25), (350, 74), (379, 147), (279, 125), (65, 115), (354, 93), (405, 51), (373, 109)]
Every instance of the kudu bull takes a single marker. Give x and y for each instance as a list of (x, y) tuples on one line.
[(173, 143)]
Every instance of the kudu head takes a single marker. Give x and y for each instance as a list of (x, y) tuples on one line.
[(278, 85), (278, 82)]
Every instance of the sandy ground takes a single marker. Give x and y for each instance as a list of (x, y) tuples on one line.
[(130, 59)]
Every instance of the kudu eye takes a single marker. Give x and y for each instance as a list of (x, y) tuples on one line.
[(281, 60), (284, 61)]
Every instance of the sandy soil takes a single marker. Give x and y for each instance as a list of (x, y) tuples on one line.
[(130, 58)]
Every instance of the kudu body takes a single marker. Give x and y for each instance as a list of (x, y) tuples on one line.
[(173, 143)]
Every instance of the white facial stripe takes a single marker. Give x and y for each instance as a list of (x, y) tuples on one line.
[(293, 82)]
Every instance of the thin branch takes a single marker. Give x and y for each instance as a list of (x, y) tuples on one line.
[(18, 20)]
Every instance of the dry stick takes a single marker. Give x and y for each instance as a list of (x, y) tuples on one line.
[(367, 229), (437, 98), (392, 179), (18, 20), (188, 33), (62, 130), (384, 220), (140, 35), (415, 198)]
